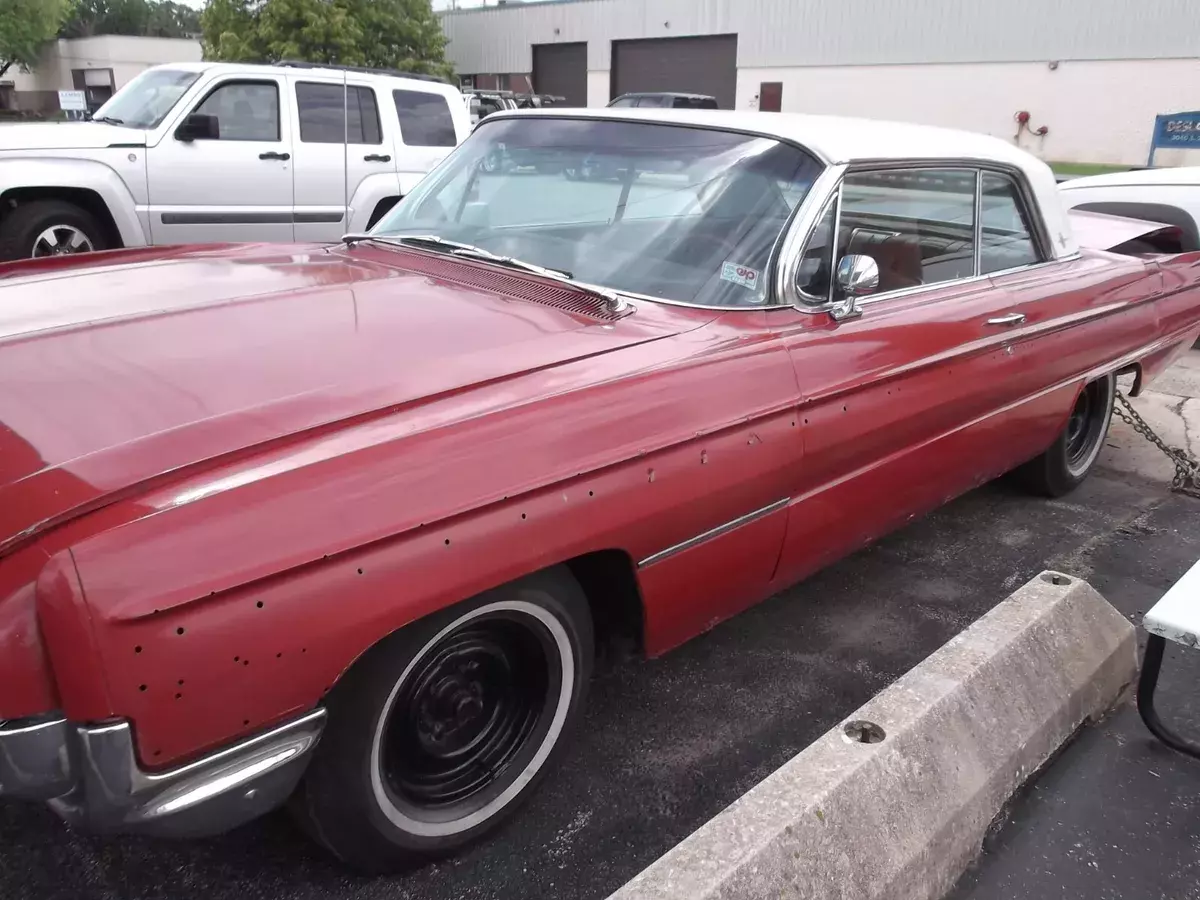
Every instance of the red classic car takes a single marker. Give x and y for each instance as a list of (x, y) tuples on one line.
[(344, 524)]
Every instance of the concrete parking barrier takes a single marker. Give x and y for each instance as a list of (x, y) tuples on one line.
[(895, 801)]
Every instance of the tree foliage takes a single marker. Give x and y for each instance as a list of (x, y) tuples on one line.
[(394, 34), (25, 27), (142, 18)]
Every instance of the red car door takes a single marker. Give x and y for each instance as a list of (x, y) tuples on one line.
[(1067, 320), (910, 404)]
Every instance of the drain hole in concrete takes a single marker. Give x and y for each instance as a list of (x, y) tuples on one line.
[(1055, 578), (864, 732)]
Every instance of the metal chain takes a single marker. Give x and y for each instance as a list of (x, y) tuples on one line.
[(1187, 467)]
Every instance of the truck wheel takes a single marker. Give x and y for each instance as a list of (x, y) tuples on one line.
[(437, 734), (49, 228), (1066, 463)]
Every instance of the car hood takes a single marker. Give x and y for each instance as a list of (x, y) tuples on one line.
[(66, 136), (130, 366)]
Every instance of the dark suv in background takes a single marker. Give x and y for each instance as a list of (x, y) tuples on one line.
[(664, 100)]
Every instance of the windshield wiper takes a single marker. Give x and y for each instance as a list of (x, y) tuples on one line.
[(107, 120), (470, 251)]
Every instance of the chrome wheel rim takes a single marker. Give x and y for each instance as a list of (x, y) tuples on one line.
[(61, 240), (472, 719)]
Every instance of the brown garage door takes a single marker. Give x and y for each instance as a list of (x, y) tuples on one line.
[(561, 69), (691, 65)]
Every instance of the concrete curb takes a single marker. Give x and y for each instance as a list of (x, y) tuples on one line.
[(904, 817)]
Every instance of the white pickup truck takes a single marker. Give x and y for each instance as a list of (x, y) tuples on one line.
[(212, 152)]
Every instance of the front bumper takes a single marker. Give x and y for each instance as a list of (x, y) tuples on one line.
[(89, 775)]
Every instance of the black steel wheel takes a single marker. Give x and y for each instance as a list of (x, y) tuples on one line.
[(444, 728), (1067, 462), (477, 704)]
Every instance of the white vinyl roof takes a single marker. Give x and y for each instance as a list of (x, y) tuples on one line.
[(837, 140)]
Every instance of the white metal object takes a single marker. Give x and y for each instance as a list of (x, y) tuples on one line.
[(256, 183), (1176, 616)]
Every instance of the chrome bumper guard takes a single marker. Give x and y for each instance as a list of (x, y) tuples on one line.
[(90, 776)]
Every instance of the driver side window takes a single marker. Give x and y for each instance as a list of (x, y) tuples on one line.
[(917, 225), (245, 110)]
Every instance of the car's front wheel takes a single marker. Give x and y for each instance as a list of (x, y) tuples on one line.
[(439, 733), (1067, 462), (49, 228)]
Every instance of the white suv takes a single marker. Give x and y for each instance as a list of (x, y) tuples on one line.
[(213, 152)]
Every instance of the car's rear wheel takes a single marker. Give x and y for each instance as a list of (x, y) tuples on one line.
[(43, 228), (439, 733), (1067, 462)]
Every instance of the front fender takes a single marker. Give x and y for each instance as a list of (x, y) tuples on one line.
[(80, 174), (370, 191)]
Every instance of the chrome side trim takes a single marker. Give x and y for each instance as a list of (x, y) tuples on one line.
[(34, 764), (202, 798), (714, 532), (806, 216)]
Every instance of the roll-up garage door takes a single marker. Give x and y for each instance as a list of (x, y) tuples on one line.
[(690, 65), (561, 69)]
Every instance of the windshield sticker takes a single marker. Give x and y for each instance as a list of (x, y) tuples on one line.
[(743, 275)]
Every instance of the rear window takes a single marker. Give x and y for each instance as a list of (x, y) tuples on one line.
[(425, 119), (328, 117)]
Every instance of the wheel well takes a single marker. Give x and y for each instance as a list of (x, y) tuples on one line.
[(610, 584), (81, 197), (382, 208), (1134, 369)]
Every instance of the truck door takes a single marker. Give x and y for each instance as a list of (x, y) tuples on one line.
[(234, 182)]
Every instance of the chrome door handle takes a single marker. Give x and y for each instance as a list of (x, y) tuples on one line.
[(1010, 319)]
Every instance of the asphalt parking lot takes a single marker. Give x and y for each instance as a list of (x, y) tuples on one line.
[(668, 743)]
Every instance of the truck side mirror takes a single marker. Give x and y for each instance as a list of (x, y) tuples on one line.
[(199, 127)]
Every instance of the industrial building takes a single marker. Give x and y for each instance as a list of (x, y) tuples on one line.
[(99, 66), (1088, 75)]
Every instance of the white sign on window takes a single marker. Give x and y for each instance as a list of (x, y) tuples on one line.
[(72, 101)]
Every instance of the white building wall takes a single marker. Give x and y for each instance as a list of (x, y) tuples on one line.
[(1097, 111), (598, 86), (778, 33), (126, 56)]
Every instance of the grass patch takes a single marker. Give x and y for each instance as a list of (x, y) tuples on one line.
[(1081, 169)]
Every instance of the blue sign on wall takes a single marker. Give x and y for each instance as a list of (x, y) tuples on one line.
[(1180, 131)]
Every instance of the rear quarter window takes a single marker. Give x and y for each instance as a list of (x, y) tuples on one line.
[(425, 119)]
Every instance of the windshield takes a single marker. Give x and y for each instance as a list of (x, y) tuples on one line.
[(672, 212), (145, 101)]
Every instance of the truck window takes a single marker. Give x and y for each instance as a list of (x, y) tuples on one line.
[(245, 110), (326, 117), (425, 119)]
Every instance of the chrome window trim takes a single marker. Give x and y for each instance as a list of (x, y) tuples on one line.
[(807, 215), (714, 532), (977, 214), (803, 225)]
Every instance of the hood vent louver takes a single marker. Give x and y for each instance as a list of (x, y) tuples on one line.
[(530, 288)]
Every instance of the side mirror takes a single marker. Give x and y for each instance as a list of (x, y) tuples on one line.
[(199, 127), (856, 276)]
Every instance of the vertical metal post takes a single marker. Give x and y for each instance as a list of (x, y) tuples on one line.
[(1153, 141)]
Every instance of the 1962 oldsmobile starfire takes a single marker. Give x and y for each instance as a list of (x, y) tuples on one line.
[(344, 524)]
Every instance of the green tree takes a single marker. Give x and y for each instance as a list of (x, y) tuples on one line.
[(142, 18), (394, 34), (25, 27)]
